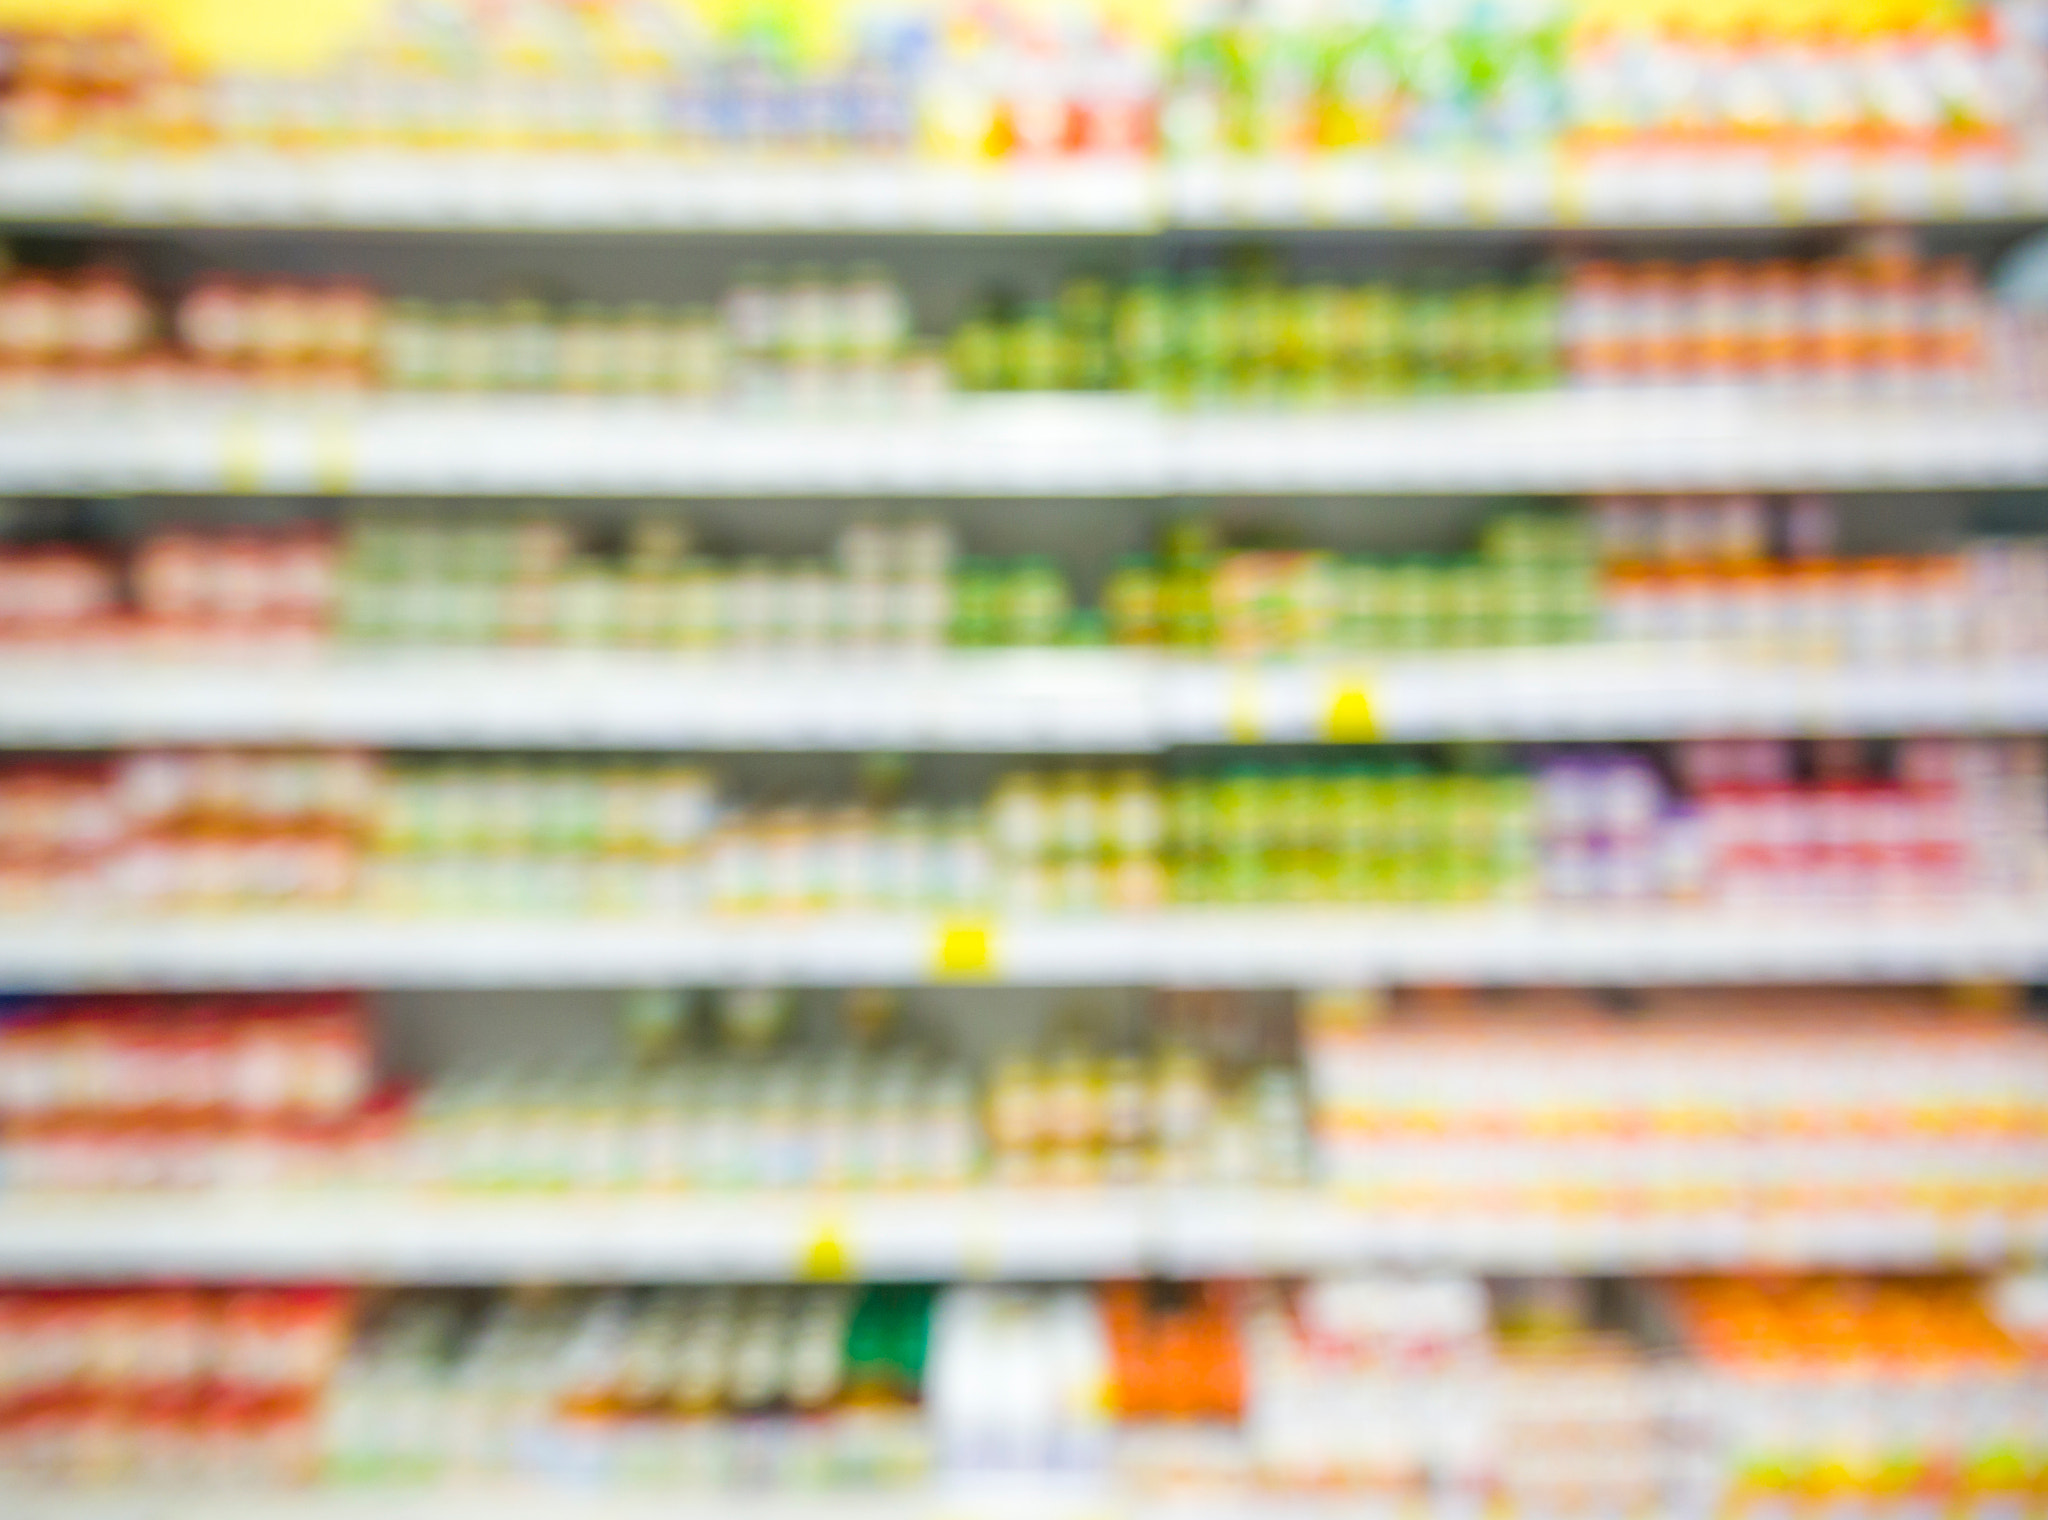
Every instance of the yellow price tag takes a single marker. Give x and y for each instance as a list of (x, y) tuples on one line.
[(966, 951), (1483, 179), (1788, 190), (1352, 718), (1241, 714), (105, 180), (1870, 189), (825, 1256), (1568, 193), (1945, 193), (241, 464), (334, 458), (981, 1250), (1404, 190)]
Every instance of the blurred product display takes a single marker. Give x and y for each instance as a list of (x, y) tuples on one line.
[(1004, 83), (1879, 320), (1278, 78), (1697, 1106), (1701, 1113), (1528, 1394), (1753, 574), (254, 1091), (1128, 759), (1737, 821), (272, 1092)]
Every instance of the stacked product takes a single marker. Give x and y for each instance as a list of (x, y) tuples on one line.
[(1018, 1380), (1247, 335), (1749, 572), (1176, 1384), (1746, 820), (185, 830), (998, 83), (179, 588), (92, 324), (685, 81), (166, 1386), (511, 836), (1948, 817), (1886, 322), (279, 1093), (1709, 1122), (1735, 80), (1724, 820), (144, 1092), (805, 1387), (529, 582), (1764, 576), (1585, 1416), (1077, 1115), (1902, 1395), (1373, 1385), (1358, 832), (1534, 581), (1877, 321), (887, 1119), (1542, 1397), (850, 858), (810, 339)]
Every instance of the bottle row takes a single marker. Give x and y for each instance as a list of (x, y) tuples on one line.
[(1002, 82), (1879, 319), (1715, 820), (1723, 1110), (1754, 573), (1533, 1396)]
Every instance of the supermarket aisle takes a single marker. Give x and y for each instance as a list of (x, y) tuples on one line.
[(1082, 760)]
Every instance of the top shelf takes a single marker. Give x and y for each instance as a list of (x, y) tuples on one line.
[(1105, 195)]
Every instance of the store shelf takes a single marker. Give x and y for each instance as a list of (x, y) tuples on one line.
[(1028, 700), (1011, 701), (627, 191), (579, 192), (1018, 1496), (1212, 947), (1653, 188), (1017, 1234), (1019, 446)]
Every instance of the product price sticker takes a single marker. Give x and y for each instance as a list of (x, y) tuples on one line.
[(241, 455), (104, 190), (1244, 709), (334, 456), (1332, 188), (980, 1242), (1787, 193), (1487, 181), (1568, 181), (1948, 188), (965, 950), (1426, 190), (825, 1254), (1352, 716)]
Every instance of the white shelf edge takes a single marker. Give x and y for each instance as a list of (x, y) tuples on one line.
[(1693, 438), (1009, 701), (1024, 1234), (1024, 1497), (1204, 947), (651, 190)]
